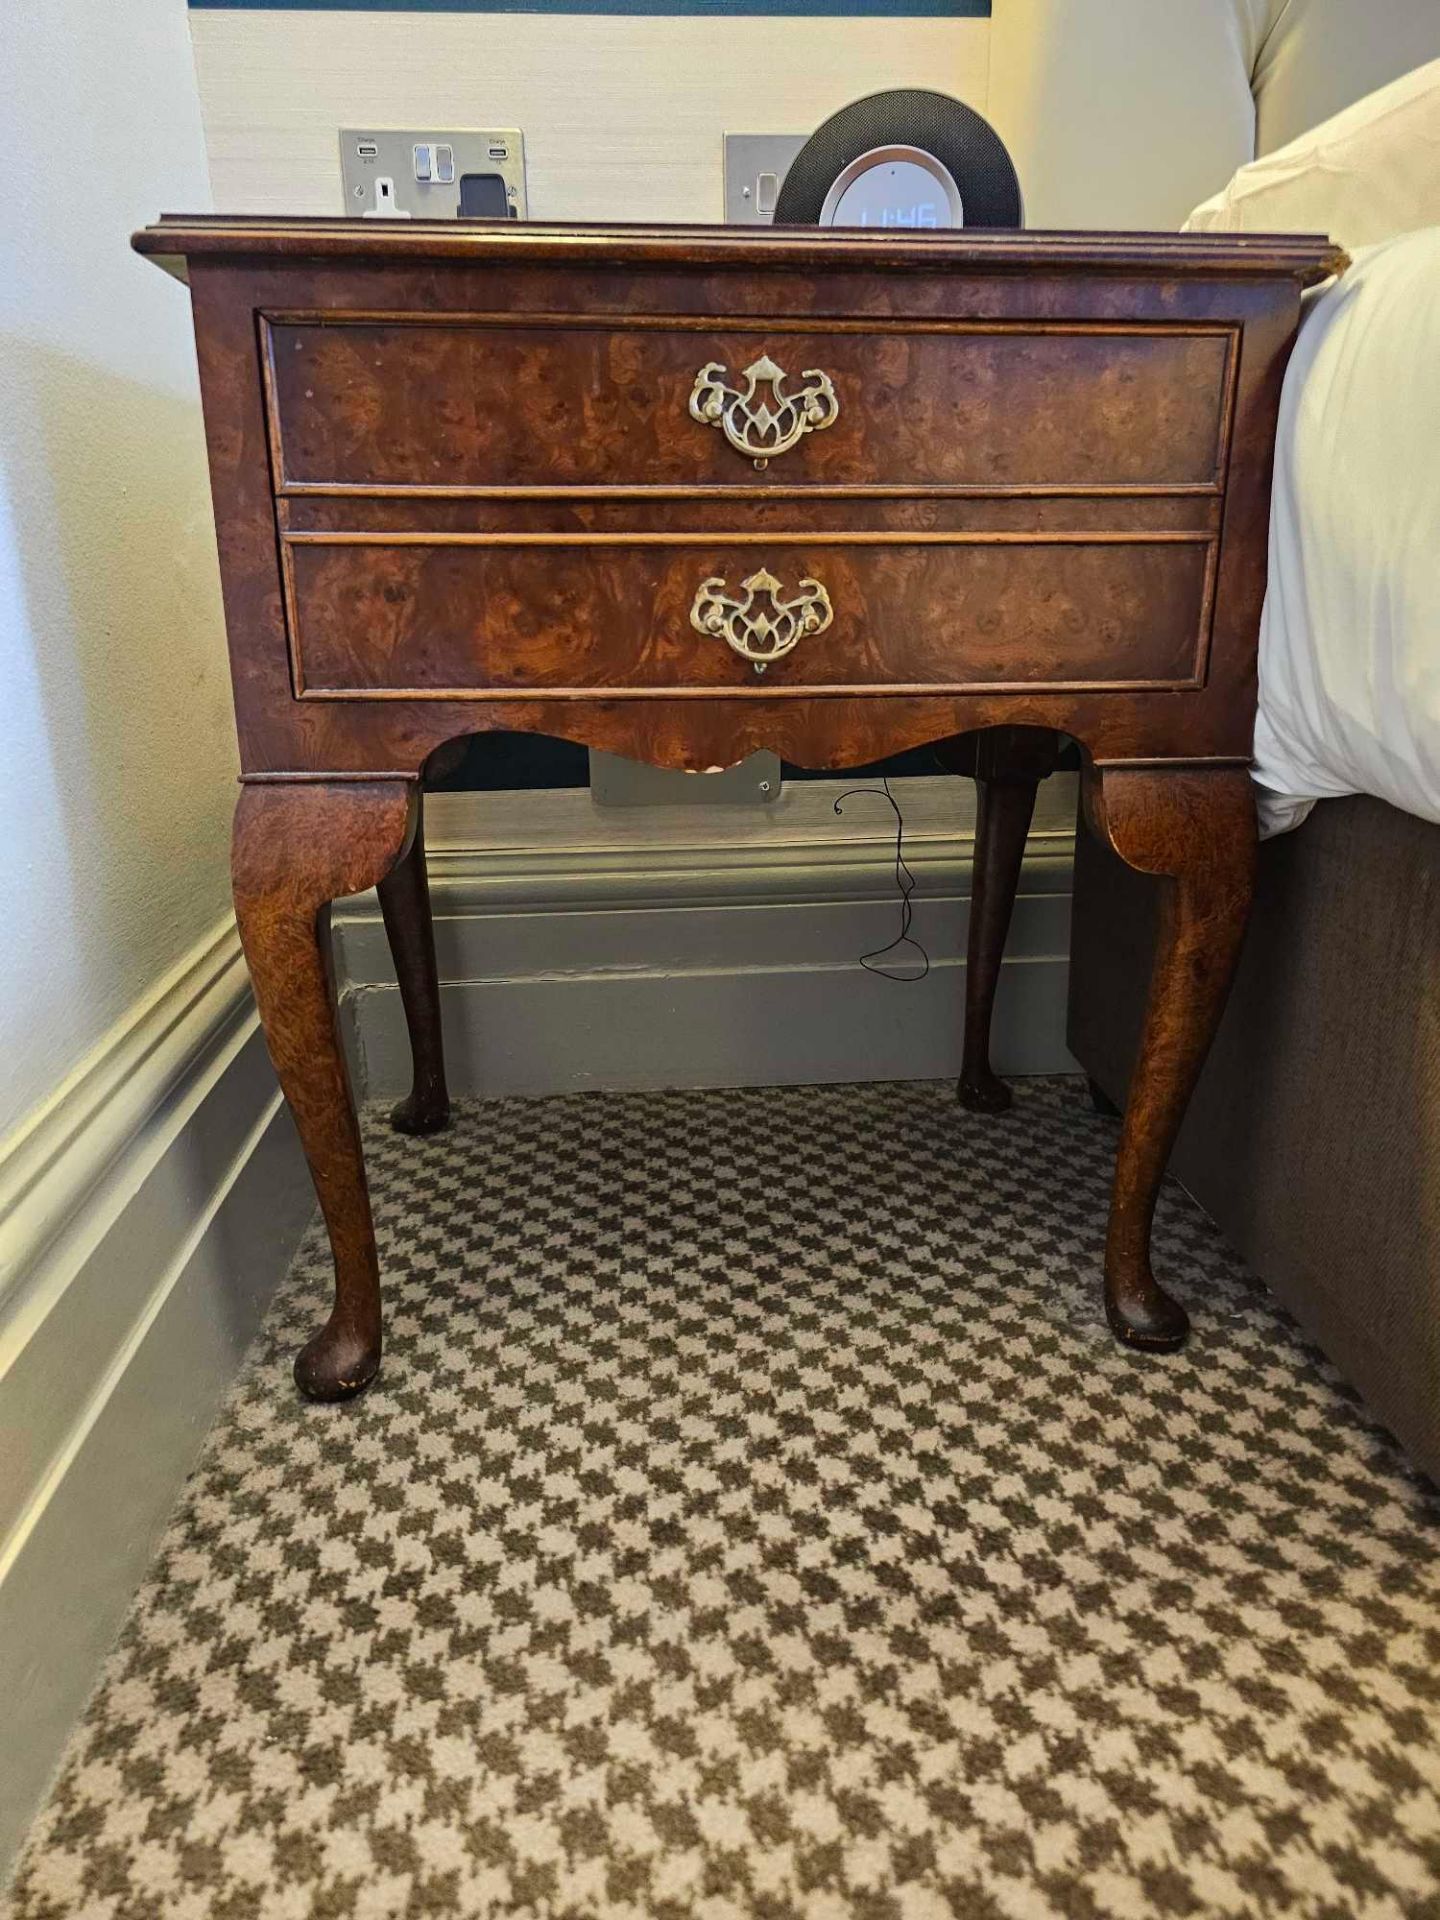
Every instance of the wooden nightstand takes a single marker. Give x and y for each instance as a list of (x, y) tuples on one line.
[(687, 492)]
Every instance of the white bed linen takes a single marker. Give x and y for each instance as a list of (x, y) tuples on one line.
[(1350, 636), (1366, 174)]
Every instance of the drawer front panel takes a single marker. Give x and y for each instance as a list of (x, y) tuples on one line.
[(471, 405), (508, 616)]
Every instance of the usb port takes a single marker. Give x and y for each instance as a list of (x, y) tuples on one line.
[(499, 153), (367, 149)]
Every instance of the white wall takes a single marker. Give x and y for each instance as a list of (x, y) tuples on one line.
[(1124, 113), (116, 753), (151, 1189), (622, 117)]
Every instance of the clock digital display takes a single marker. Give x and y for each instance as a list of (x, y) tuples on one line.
[(912, 193)]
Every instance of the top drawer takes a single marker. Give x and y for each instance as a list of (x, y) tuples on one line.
[(465, 404)]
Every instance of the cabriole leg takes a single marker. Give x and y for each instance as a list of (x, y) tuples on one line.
[(1007, 765), (297, 846), (410, 928), (1196, 829)]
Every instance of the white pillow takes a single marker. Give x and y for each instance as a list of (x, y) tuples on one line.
[(1367, 174)]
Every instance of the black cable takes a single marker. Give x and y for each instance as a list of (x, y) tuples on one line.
[(905, 885)]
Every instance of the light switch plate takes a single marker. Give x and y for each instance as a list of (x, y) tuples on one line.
[(753, 161), (369, 155), (618, 782)]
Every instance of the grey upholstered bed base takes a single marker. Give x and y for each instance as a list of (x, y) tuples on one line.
[(1314, 1136)]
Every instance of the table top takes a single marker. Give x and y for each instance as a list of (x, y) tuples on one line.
[(177, 239)]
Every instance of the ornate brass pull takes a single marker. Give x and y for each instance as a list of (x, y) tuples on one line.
[(761, 627), (763, 428)]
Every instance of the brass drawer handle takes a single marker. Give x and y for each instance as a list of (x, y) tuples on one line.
[(763, 428), (761, 627)]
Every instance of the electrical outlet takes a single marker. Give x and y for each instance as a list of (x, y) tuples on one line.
[(617, 782), (384, 206), (431, 174)]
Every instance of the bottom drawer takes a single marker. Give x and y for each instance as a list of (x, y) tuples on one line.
[(491, 615)]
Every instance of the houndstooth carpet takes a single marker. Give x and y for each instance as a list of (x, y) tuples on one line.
[(754, 1517)]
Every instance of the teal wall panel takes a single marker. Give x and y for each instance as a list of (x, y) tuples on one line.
[(932, 9)]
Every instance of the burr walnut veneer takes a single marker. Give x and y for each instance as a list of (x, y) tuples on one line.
[(685, 493)]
